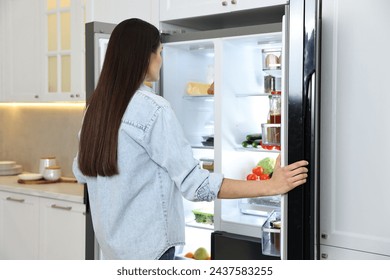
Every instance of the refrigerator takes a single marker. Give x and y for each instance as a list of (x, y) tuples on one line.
[(216, 74), (233, 57)]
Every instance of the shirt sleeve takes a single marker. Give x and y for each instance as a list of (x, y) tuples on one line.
[(168, 147)]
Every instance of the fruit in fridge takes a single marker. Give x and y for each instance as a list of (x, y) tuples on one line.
[(201, 254)]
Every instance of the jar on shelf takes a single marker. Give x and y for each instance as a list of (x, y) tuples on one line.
[(272, 59), (274, 114)]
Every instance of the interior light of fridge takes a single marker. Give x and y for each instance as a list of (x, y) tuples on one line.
[(201, 47)]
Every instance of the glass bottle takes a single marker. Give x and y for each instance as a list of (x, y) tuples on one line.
[(274, 115)]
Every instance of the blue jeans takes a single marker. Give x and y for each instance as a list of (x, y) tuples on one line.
[(169, 254)]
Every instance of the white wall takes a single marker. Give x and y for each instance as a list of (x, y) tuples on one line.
[(115, 11)]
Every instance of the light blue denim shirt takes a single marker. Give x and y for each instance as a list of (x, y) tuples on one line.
[(138, 214)]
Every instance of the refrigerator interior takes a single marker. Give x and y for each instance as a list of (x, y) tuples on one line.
[(238, 107)]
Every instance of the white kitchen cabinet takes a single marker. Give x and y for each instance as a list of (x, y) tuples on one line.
[(24, 70), (337, 253), (33, 227), (19, 229), (62, 230), (179, 9), (105, 11), (354, 194), (64, 50), (22, 50), (2, 49)]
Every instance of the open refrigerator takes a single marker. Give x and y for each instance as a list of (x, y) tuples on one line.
[(219, 83)]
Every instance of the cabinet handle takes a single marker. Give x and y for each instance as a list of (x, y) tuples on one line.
[(68, 208), (21, 200), (36, 96), (224, 3), (234, 2)]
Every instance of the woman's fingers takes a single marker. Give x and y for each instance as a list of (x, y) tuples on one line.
[(297, 164)]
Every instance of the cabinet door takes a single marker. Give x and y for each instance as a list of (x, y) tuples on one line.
[(354, 196), (177, 9), (19, 216), (240, 5), (26, 70), (65, 57), (2, 48), (62, 230), (23, 50)]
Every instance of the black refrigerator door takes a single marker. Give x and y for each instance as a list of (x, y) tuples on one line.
[(302, 85)]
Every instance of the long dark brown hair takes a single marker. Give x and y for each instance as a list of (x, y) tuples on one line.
[(124, 69)]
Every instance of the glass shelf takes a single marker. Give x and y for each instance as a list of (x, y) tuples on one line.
[(199, 97), (200, 146), (199, 225), (251, 149), (277, 73), (252, 94)]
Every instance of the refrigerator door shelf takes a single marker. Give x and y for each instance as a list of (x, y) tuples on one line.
[(277, 73), (271, 236)]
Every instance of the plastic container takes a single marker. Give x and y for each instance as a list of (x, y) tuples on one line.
[(260, 206)]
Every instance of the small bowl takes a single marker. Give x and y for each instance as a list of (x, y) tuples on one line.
[(30, 176), (52, 173)]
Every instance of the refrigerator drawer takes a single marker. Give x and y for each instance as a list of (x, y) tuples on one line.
[(229, 246)]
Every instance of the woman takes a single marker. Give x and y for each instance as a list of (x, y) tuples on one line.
[(136, 161)]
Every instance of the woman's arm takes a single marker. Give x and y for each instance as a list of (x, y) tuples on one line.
[(283, 180)]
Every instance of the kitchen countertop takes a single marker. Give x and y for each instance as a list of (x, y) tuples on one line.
[(73, 192)]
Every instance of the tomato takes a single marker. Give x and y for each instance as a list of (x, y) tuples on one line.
[(267, 147), (264, 177), (258, 170), (251, 177)]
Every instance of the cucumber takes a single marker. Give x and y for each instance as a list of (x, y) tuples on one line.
[(254, 136), (245, 144), (256, 143)]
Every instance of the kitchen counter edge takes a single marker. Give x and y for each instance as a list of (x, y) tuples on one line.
[(73, 192)]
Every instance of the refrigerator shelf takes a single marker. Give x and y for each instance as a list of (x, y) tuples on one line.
[(200, 146), (277, 73), (207, 97), (271, 236), (195, 224), (259, 149), (258, 94)]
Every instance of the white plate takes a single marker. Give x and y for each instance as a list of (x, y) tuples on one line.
[(15, 170), (7, 164), (30, 176)]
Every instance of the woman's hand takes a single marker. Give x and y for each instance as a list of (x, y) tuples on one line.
[(283, 180), (288, 177)]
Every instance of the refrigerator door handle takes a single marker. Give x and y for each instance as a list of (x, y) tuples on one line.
[(314, 159)]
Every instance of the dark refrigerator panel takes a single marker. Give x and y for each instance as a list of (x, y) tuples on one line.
[(303, 85)]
